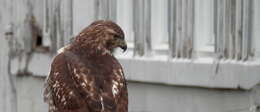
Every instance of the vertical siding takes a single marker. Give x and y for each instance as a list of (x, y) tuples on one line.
[(220, 28), (256, 27), (23, 23), (204, 28), (138, 27), (83, 14), (172, 27), (142, 29), (159, 28), (247, 27), (234, 29), (181, 16), (125, 18), (190, 28), (238, 30), (105, 9), (147, 27), (58, 23), (7, 89)]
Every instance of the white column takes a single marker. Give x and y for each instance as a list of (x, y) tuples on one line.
[(172, 27), (182, 33), (67, 12), (247, 19), (142, 25), (256, 27), (204, 29), (83, 14), (238, 30), (125, 19), (159, 23)]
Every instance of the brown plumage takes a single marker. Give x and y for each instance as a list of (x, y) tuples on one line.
[(85, 76)]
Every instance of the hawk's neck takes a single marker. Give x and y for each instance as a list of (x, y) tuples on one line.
[(89, 50)]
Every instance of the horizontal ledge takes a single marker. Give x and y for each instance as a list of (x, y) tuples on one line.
[(204, 72)]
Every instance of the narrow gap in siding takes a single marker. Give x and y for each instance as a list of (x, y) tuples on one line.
[(38, 40)]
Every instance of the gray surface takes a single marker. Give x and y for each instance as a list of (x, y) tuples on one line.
[(153, 98)]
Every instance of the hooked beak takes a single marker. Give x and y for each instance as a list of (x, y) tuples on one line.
[(123, 45)]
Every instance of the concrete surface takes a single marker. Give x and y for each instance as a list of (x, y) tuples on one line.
[(145, 97)]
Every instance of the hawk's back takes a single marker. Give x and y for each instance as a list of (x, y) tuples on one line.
[(81, 83)]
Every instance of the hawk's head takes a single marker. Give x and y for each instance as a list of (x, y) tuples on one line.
[(103, 34)]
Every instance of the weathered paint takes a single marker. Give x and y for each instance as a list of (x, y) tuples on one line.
[(181, 22), (22, 23), (142, 30), (234, 29), (7, 82)]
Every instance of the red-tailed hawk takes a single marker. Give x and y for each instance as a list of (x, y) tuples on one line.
[(85, 76)]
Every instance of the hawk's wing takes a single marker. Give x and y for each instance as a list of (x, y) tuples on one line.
[(91, 90), (60, 92)]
